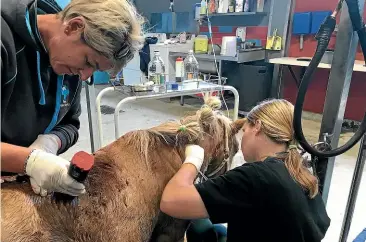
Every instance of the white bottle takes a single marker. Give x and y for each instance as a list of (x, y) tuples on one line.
[(246, 6), (260, 6), (239, 6), (223, 6), (203, 7), (179, 67)]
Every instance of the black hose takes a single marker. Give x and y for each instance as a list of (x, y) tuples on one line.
[(357, 23), (362, 37), (354, 14), (323, 37)]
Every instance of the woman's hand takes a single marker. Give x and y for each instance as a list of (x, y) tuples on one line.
[(195, 155), (49, 172)]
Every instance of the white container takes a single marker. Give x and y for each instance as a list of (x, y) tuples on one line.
[(246, 6), (260, 5), (228, 47), (223, 6), (203, 8), (197, 11), (239, 7)]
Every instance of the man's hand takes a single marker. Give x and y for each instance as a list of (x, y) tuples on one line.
[(195, 155), (47, 142), (49, 172)]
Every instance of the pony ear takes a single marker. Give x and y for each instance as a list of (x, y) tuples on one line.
[(237, 125)]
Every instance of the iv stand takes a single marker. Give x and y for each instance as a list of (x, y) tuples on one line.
[(174, 16), (355, 186)]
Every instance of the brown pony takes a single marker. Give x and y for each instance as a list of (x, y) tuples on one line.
[(124, 187)]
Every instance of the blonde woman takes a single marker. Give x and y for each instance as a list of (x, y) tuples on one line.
[(46, 52), (272, 197)]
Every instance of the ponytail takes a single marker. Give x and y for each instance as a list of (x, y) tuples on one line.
[(295, 166), (276, 116)]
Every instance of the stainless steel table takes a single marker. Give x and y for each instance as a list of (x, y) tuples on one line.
[(203, 87)]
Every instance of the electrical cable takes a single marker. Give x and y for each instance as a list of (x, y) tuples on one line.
[(215, 59), (323, 38)]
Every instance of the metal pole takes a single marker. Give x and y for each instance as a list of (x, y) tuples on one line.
[(167, 95), (283, 22), (174, 16), (174, 22), (98, 108), (355, 185), (337, 93), (92, 119), (220, 72)]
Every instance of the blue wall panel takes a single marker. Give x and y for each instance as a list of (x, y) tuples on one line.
[(225, 29)]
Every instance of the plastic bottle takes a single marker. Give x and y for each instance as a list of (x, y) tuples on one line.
[(156, 69), (190, 67), (211, 7), (203, 7), (179, 67), (260, 5), (217, 6), (246, 6)]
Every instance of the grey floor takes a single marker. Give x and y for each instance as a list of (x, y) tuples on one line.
[(149, 113)]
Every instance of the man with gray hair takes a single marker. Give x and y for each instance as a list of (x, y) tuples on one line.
[(46, 52)]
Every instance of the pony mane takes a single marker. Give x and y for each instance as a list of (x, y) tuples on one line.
[(191, 129)]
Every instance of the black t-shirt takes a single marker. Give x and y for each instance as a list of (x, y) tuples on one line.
[(261, 202)]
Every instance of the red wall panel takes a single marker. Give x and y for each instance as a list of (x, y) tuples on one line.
[(314, 102)]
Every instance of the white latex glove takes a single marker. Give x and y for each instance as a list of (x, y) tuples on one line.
[(195, 155), (47, 142), (48, 172)]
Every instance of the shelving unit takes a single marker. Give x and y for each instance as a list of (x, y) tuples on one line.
[(242, 56), (242, 19), (235, 14)]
